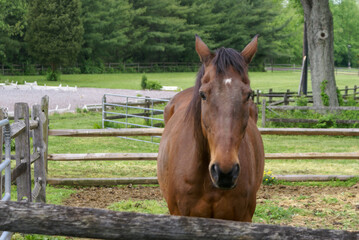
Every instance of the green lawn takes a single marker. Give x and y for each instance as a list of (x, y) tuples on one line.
[(278, 81)]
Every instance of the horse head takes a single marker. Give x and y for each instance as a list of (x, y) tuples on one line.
[(224, 91)]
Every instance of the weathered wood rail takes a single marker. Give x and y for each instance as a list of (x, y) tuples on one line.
[(153, 156), (158, 132), (104, 224)]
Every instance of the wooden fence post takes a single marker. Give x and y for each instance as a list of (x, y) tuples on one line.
[(257, 97), (45, 127), (22, 145), (355, 91), (39, 149), (286, 100), (270, 95), (345, 92), (263, 112), (1, 141), (104, 111), (147, 111)]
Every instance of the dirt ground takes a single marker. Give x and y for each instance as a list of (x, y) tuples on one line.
[(323, 207)]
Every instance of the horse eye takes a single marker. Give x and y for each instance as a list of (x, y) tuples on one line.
[(249, 95), (203, 95)]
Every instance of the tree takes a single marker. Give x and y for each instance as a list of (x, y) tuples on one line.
[(108, 29), (55, 31), (164, 30), (12, 29), (346, 32), (319, 23), (232, 23)]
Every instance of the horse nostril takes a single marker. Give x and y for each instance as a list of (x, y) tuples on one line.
[(215, 172), (225, 180), (235, 171)]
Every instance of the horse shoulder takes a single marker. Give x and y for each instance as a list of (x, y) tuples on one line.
[(180, 100), (255, 146)]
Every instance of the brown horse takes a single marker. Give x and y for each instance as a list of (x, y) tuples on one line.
[(211, 156)]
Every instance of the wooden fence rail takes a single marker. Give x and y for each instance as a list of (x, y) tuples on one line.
[(158, 132), (153, 156), (104, 224)]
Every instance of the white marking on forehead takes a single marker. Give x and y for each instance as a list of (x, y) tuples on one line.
[(228, 81)]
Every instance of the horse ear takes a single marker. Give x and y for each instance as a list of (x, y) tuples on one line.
[(203, 51), (249, 51)]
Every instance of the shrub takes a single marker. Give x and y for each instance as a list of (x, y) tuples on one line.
[(71, 70), (326, 121), (301, 101), (325, 97), (29, 69), (52, 75), (340, 97), (153, 85), (144, 81), (90, 66)]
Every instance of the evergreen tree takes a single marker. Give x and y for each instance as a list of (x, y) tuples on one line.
[(55, 31), (108, 28), (164, 30), (12, 29), (237, 22)]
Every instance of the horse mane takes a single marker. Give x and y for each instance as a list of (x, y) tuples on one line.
[(223, 59)]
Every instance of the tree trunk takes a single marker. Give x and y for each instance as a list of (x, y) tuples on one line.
[(319, 23)]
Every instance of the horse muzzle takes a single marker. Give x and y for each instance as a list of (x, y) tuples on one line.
[(224, 180)]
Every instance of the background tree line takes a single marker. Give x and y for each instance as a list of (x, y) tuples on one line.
[(91, 32)]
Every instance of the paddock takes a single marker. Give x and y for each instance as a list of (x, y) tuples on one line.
[(37, 126)]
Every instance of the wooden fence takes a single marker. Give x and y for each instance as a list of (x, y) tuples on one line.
[(153, 156), (22, 129), (279, 97), (57, 220), (24, 158), (298, 67), (20, 69), (265, 119)]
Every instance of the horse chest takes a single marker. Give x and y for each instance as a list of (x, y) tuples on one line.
[(213, 203)]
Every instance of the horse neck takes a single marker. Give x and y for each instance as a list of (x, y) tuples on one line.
[(201, 141)]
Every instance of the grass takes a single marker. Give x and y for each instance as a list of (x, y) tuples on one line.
[(54, 195), (142, 206), (270, 213), (334, 183), (278, 81)]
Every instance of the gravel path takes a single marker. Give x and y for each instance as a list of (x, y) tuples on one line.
[(63, 97)]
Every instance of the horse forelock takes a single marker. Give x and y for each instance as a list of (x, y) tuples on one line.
[(229, 57)]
